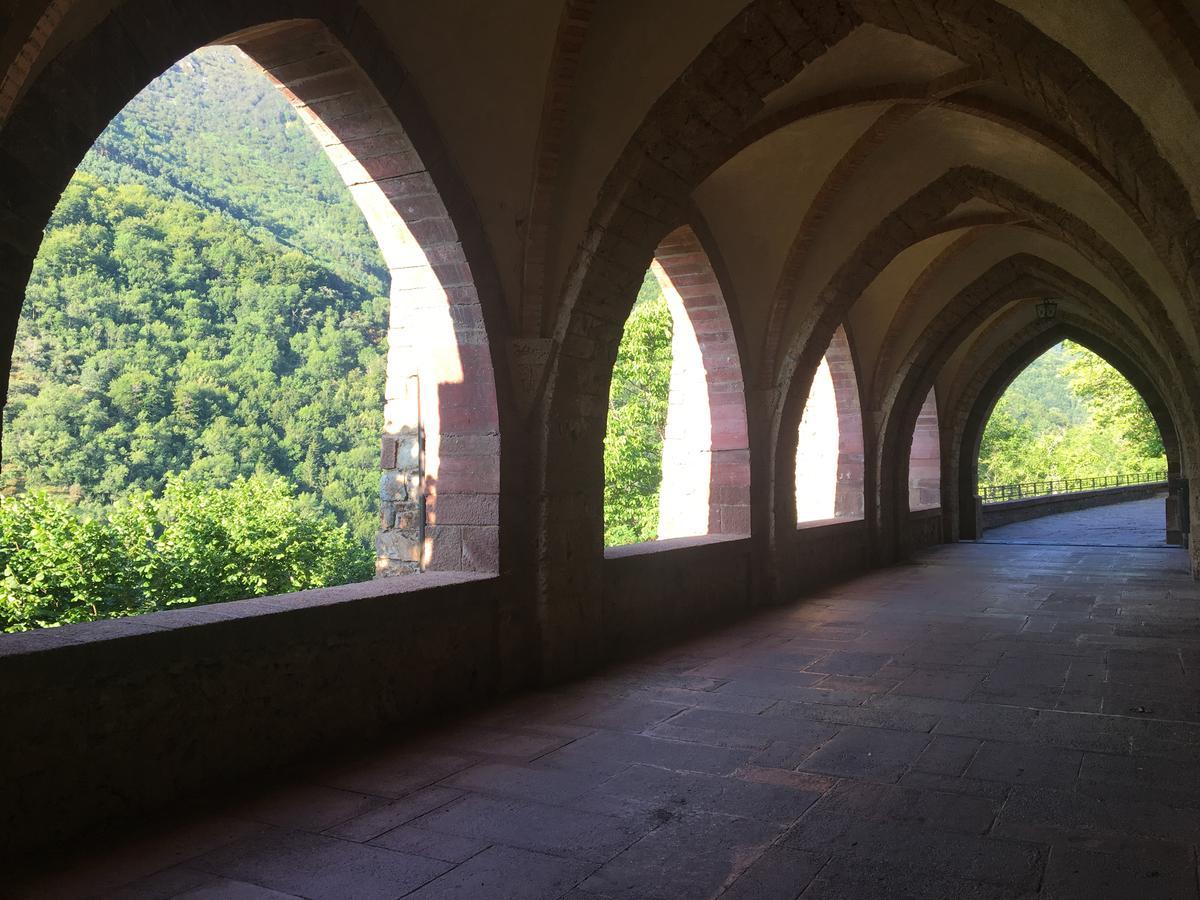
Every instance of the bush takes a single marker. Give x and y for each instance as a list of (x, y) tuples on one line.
[(195, 544)]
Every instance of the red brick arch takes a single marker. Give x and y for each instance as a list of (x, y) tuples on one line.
[(706, 454), (441, 446), (846, 494)]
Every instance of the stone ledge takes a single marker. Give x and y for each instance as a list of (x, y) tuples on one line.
[(47, 640), (647, 548), (831, 524)]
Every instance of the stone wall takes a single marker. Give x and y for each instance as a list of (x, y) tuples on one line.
[(118, 717), (997, 514)]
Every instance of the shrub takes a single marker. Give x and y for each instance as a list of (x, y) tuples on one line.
[(195, 544)]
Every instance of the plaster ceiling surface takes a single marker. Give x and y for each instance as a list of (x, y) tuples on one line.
[(938, 140), (867, 57), (757, 201), (871, 315), (991, 334), (961, 269), (1116, 47), (485, 97)]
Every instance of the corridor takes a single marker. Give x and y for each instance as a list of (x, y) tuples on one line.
[(988, 721), (1141, 523)]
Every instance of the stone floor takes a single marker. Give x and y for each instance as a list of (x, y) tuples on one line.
[(989, 721), (1139, 524)]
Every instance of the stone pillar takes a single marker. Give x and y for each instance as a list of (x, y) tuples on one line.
[(1177, 510), (401, 538)]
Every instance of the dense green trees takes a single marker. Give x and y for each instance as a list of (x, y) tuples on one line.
[(637, 420), (1069, 415), (207, 300), (196, 395), (194, 543)]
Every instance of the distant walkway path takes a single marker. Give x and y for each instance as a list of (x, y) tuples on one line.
[(1141, 523)]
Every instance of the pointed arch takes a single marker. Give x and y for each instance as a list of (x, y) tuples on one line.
[(440, 448), (706, 451), (830, 455)]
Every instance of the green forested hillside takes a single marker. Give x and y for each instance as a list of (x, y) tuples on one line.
[(207, 300), (1069, 415)]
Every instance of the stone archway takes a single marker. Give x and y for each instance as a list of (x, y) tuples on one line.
[(440, 450)]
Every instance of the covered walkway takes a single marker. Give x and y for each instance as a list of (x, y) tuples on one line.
[(988, 721), (1140, 523)]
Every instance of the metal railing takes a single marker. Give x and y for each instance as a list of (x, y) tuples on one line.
[(1000, 493)]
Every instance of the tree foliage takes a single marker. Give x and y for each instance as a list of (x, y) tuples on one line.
[(207, 299), (193, 544), (637, 420), (1069, 415)]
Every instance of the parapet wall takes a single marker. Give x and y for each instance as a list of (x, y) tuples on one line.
[(109, 720), (997, 514)]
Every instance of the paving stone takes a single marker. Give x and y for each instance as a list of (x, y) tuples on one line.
[(693, 855), (950, 771), (536, 826), (393, 814), (1025, 765), (1080, 874), (662, 789), (451, 848), (939, 684), (524, 782), (227, 889), (781, 873), (993, 790), (394, 775), (847, 662), (964, 856), (171, 882), (874, 753), (610, 752), (316, 866), (761, 682), (947, 755), (630, 715), (724, 729), (503, 873), (1047, 814), (851, 878)]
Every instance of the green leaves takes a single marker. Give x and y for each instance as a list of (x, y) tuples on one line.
[(1069, 415), (194, 544), (637, 420), (171, 326)]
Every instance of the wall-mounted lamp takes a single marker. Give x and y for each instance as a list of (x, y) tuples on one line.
[(1047, 309)]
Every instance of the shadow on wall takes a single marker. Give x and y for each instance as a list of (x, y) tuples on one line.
[(925, 459)]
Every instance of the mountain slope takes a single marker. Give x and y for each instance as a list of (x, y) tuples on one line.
[(206, 300)]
